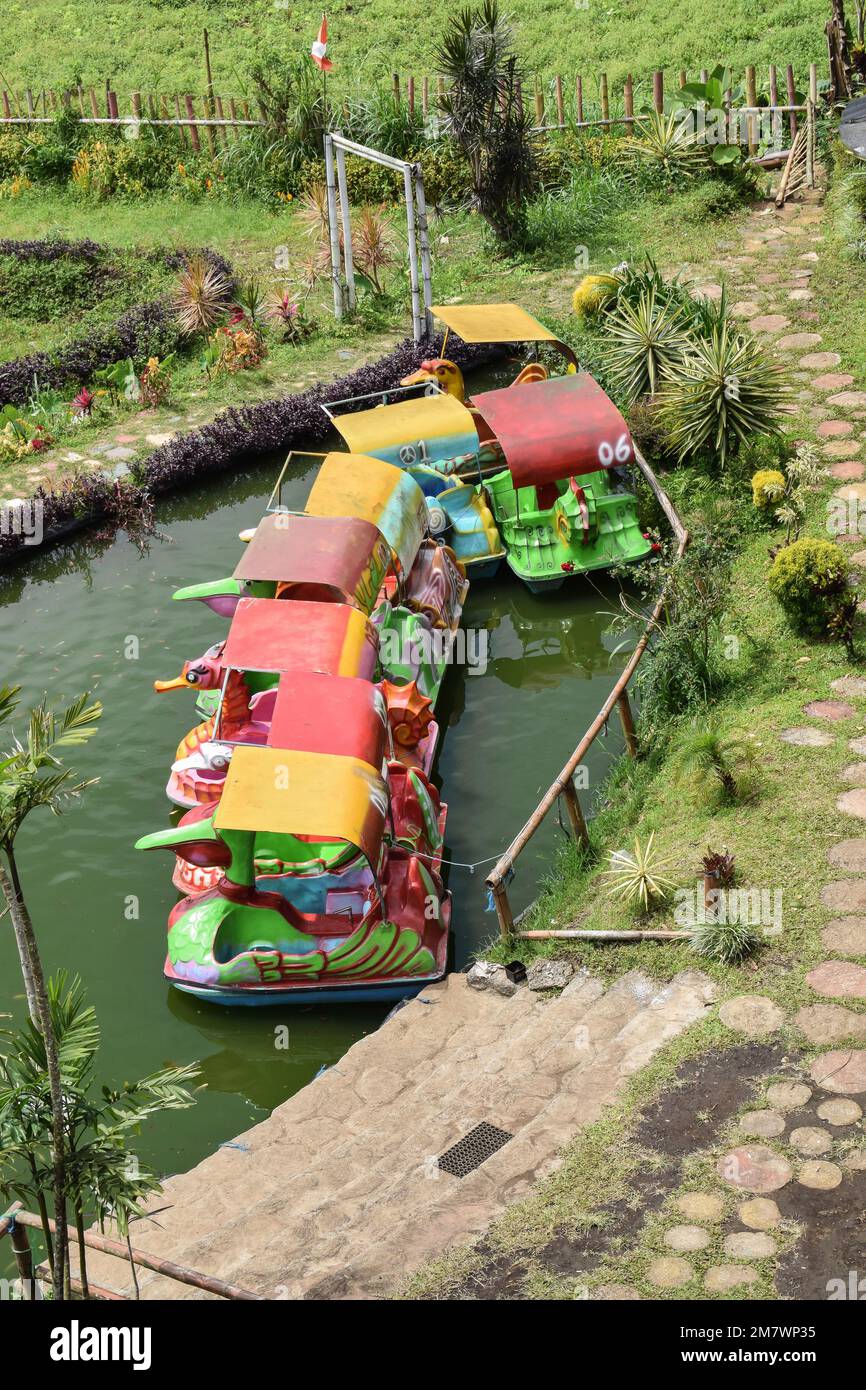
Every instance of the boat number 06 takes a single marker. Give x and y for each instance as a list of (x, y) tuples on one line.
[(614, 453)]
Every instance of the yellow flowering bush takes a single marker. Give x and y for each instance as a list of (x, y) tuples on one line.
[(768, 488), (592, 292)]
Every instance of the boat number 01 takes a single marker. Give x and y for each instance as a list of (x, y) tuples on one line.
[(614, 453), (411, 453)]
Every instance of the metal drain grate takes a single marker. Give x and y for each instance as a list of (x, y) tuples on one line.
[(472, 1150)]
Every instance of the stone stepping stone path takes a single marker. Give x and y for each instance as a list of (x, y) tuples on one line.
[(853, 804), (825, 1024), (838, 979), (846, 936), (843, 1072), (752, 1015), (829, 709), (806, 738), (846, 895), (759, 1214), (755, 1168)]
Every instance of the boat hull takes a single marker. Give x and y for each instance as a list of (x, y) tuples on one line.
[(388, 992)]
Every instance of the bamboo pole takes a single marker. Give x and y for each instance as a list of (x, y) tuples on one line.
[(752, 99), (539, 101), (418, 325), (424, 243), (94, 102), (578, 96), (31, 108), (425, 97), (567, 934), (774, 101), (346, 219), (156, 1263), (184, 134), (575, 814), (683, 77), (627, 721), (605, 103), (395, 87), (628, 101), (410, 93), (333, 229), (193, 128), (792, 97), (560, 104), (658, 91)]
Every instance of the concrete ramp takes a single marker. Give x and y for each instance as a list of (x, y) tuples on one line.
[(339, 1194)]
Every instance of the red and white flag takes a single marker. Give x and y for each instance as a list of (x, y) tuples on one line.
[(320, 48)]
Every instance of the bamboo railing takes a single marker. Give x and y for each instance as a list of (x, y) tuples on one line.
[(563, 784), (15, 1222)]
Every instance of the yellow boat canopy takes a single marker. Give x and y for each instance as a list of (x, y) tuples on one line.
[(323, 795), (409, 427), (358, 486), (493, 323)]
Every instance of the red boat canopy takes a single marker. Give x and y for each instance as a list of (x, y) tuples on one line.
[(329, 714), (324, 558), (556, 429), (268, 634)]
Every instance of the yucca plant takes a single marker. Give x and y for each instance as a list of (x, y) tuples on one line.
[(647, 343), (250, 299), (665, 147), (720, 766), (201, 295), (312, 211), (726, 392), (639, 876)]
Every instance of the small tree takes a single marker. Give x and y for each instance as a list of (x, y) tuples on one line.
[(103, 1178), (484, 114), (32, 775)]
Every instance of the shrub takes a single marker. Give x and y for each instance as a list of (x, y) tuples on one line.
[(647, 343), (593, 292), (810, 580), (639, 876), (726, 942), (727, 392), (768, 488), (720, 768)]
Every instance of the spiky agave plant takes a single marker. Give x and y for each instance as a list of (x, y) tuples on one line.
[(665, 146), (726, 392), (201, 295), (639, 876), (646, 344)]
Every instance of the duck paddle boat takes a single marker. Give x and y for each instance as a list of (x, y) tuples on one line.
[(309, 854), (534, 473)]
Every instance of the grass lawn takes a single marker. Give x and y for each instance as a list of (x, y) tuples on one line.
[(151, 45)]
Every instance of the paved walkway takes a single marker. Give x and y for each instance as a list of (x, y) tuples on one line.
[(339, 1195)]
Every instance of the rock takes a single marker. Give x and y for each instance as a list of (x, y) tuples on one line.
[(829, 709), (839, 1112), (760, 1213), (848, 470), (755, 1168), (549, 974), (848, 855), (762, 1124), (752, 1015), (723, 1278), (843, 1073), (857, 745), (488, 974), (798, 340), (855, 773), (840, 447), (798, 294), (845, 895), (811, 1141), (806, 738), (855, 1162), (820, 361), (687, 1238), (853, 804), (749, 1245), (819, 1174), (745, 308), (835, 429), (838, 979), (849, 685), (847, 399), (830, 1023), (614, 1293), (701, 1206), (831, 381), (769, 323), (669, 1272), (788, 1095)]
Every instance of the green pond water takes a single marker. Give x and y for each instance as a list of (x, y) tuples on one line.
[(94, 614)]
